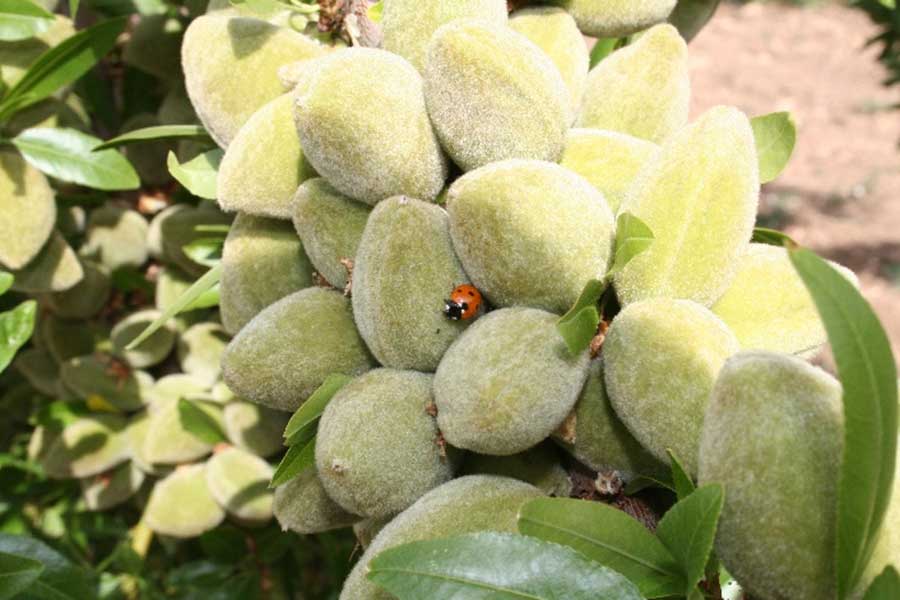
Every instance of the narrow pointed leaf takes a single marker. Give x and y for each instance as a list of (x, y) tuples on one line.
[(312, 409), (688, 530), (22, 19), (633, 237), (684, 486), (62, 64), (183, 303), (65, 154), (607, 536), (764, 235), (160, 132), (496, 566), (868, 375), (298, 459)]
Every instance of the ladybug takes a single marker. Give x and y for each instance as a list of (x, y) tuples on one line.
[(464, 303)]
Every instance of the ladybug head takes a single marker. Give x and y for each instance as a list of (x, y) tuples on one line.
[(454, 310)]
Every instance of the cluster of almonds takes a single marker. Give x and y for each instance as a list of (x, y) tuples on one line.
[(478, 148)]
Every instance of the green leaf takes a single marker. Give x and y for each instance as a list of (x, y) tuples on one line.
[(73, 8), (603, 48), (161, 132), (206, 251), (642, 482), (884, 587), (60, 579), (66, 155), (297, 459), (198, 423), (688, 530), (197, 175), (579, 329), (16, 326), (376, 11), (310, 411), (684, 485), (775, 136), (868, 375), (17, 573), (763, 235), (579, 325), (207, 299), (690, 16), (182, 304), (22, 19), (62, 64), (6, 281), (496, 566), (633, 237), (607, 536)]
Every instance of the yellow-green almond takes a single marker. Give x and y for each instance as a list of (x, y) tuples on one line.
[(84, 299), (699, 197), (200, 350), (554, 31), (255, 428), (642, 90), (136, 432), (28, 206), (661, 359), (65, 339), (56, 268), (106, 490), (176, 227), (599, 439), (171, 388), (404, 271), (280, 357), (410, 24), (330, 225), (609, 160), (87, 446), (616, 18), (40, 369), (768, 307), (116, 237), (493, 95), (151, 351), (231, 68), (168, 441), (303, 506), (530, 233), (96, 376), (264, 163), (465, 505), (773, 439), (377, 448), (182, 504), (507, 383), (540, 466), (155, 46), (375, 149), (262, 261), (239, 481)]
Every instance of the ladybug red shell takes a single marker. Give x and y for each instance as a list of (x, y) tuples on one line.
[(464, 303)]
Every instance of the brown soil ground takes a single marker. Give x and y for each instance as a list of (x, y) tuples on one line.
[(840, 194)]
